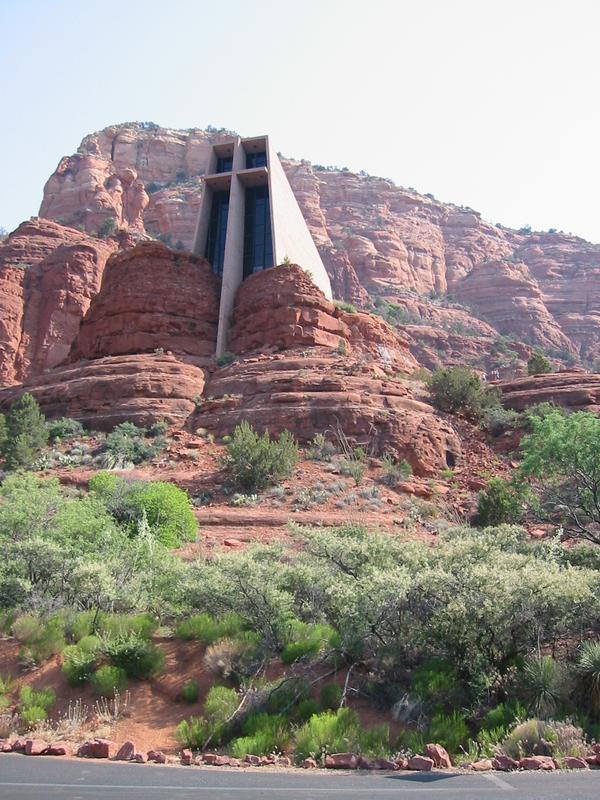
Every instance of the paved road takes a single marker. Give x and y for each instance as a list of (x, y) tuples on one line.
[(29, 778)]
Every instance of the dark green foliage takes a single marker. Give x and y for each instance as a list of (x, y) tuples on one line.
[(225, 359), (347, 307), (41, 639), (498, 503), (394, 472), (78, 665), (26, 432), (588, 670), (459, 390), (434, 679), (538, 364), (138, 657), (304, 710), (108, 228), (108, 681), (127, 445), (546, 685), (331, 696), (449, 730), (254, 462), (64, 429), (263, 734), (31, 698), (204, 629), (190, 691), (286, 695), (503, 716), (194, 733)]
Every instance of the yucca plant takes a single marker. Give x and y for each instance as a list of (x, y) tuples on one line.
[(546, 684), (588, 667)]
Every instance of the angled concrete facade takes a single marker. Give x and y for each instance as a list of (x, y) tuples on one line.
[(249, 220)]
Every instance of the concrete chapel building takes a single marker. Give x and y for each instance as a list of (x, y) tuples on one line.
[(249, 220)]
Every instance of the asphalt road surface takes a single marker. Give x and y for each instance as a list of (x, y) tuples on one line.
[(39, 778)]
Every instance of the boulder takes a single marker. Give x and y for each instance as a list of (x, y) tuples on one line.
[(254, 761), (484, 765), (572, 762), (186, 757), (387, 763), (420, 763), (504, 763), (18, 746), (157, 756), (35, 747), (139, 758), (439, 755), (97, 748), (309, 763), (341, 761), (125, 752), (537, 762)]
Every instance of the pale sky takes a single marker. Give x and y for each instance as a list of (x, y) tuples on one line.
[(494, 105)]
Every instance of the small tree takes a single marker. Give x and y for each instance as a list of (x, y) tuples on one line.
[(561, 458), (26, 432), (538, 364), (459, 390), (498, 503), (254, 461)]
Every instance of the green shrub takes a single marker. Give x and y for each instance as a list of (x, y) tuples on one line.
[(411, 742), (203, 628), (393, 472), (114, 625), (31, 698), (225, 359), (498, 420), (41, 639), (254, 462), (305, 640), (526, 739), (301, 649), (64, 429), (459, 390), (331, 696), (538, 364), (220, 703), (219, 706), (352, 468), (78, 665), (320, 449), (158, 429), (287, 695), (138, 657), (374, 742), (32, 716), (347, 307), (190, 691), (263, 734), (545, 685), (329, 732), (503, 715), (304, 710), (26, 433), (498, 503), (588, 669), (127, 445), (540, 411), (433, 679), (89, 644), (108, 228), (449, 730), (107, 681), (194, 733)]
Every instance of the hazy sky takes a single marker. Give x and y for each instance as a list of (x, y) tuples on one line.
[(489, 104)]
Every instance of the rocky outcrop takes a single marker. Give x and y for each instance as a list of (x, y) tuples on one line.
[(152, 298), (48, 276), (577, 391)]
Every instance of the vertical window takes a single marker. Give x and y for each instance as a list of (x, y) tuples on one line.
[(258, 245), (225, 164), (217, 231), (256, 160)]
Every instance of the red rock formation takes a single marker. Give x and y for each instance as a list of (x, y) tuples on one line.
[(152, 298), (578, 391), (48, 276)]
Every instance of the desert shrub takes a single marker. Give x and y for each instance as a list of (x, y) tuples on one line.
[(330, 696), (459, 390), (158, 429), (32, 716), (302, 649), (503, 716), (225, 359), (411, 742), (394, 472), (64, 429), (374, 742), (498, 420), (263, 734), (546, 738), (434, 678), (193, 732), (287, 694), (207, 630), (567, 738), (540, 411), (233, 658), (26, 432), (136, 656), (32, 698), (109, 680), (190, 691), (254, 462), (352, 468), (588, 670), (305, 640), (329, 732), (220, 703), (108, 228), (78, 665), (304, 710), (449, 730), (127, 445), (320, 449), (41, 638), (498, 503), (119, 625), (545, 685), (538, 364), (347, 307)]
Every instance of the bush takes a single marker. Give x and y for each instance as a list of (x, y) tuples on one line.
[(220, 704), (136, 656), (205, 629), (498, 503), (26, 433), (320, 449), (108, 228), (347, 307), (449, 730), (255, 462), (78, 665), (42, 698), (108, 681), (119, 625), (538, 364), (32, 716), (434, 679), (331, 696), (287, 694), (190, 691), (498, 420), (233, 658), (545, 683), (503, 716), (308, 640), (393, 472), (526, 739), (301, 649), (126, 445), (304, 710), (588, 669), (41, 639), (64, 429), (352, 468), (459, 390), (193, 732), (329, 732), (225, 359), (263, 734)]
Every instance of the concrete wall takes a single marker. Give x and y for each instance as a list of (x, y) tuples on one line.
[(291, 237)]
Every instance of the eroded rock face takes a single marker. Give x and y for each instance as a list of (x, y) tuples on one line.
[(48, 276), (575, 390), (152, 298)]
